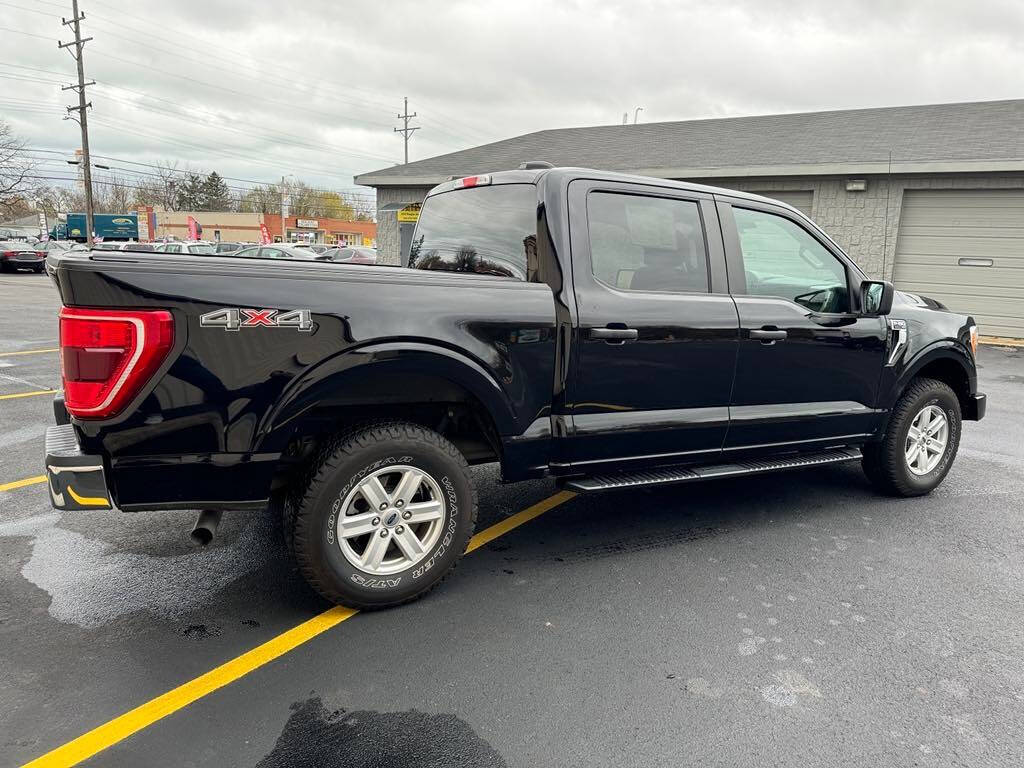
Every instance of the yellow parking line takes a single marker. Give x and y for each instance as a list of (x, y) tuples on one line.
[(28, 394), (1000, 341), (123, 726), (29, 352), (514, 521), (22, 483)]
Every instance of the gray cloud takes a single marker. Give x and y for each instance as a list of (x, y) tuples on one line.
[(276, 77)]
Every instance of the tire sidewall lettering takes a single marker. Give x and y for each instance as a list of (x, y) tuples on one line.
[(441, 549)]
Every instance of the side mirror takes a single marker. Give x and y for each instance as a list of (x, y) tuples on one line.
[(876, 297)]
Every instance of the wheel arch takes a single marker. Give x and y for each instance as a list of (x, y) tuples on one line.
[(427, 384), (947, 363)]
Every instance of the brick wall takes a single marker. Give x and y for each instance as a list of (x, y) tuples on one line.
[(858, 221), (387, 224)]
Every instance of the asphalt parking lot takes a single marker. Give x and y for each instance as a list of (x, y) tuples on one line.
[(795, 620)]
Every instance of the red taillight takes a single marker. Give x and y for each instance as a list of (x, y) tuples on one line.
[(108, 355)]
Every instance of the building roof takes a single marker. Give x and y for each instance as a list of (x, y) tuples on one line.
[(982, 136)]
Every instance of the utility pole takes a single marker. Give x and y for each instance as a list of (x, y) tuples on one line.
[(284, 210), (82, 108), (406, 131)]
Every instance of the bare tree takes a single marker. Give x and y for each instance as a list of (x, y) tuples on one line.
[(57, 200), (261, 199), (162, 187), (114, 194), (15, 169)]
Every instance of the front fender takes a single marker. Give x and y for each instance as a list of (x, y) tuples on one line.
[(943, 349), (377, 374)]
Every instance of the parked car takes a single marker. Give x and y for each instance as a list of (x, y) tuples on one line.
[(276, 251), (350, 255), (653, 333), (315, 247), (194, 247), (15, 255), (53, 245)]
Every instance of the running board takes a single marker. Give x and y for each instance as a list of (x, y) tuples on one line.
[(669, 475)]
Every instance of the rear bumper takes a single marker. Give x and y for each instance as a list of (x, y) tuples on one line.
[(975, 410), (76, 479)]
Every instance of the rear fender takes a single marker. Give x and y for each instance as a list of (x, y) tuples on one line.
[(395, 372)]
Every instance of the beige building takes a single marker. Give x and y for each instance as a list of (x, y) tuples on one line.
[(217, 225)]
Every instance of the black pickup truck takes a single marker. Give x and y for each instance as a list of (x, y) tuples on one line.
[(608, 331)]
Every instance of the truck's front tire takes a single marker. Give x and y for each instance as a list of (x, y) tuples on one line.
[(920, 441), (385, 515)]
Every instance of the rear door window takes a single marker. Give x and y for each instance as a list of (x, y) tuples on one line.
[(488, 230), (643, 243)]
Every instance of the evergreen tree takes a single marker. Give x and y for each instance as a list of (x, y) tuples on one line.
[(190, 193), (216, 196)]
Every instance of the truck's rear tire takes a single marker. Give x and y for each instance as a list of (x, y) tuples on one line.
[(384, 516), (920, 441)]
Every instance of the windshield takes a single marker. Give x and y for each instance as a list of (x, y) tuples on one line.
[(485, 230)]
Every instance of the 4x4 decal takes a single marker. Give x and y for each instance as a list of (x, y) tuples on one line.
[(231, 319)]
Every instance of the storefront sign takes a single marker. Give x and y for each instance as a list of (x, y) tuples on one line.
[(411, 213), (143, 218), (307, 223)]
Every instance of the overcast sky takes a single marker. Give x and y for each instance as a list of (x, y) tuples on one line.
[(262, 88)]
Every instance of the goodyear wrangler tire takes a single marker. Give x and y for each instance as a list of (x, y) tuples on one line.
[(385, 516), (920, 441)]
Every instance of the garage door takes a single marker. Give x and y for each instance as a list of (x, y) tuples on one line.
[(966, 249), (799, 200)]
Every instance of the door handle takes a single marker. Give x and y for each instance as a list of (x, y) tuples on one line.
[(614, 335), (768, 335)]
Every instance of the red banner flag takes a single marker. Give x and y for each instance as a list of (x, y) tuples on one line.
[(264, 235), (193, 229)]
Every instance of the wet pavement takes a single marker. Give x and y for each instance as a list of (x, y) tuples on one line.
[(798, 619)]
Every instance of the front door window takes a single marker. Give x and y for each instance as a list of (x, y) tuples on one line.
[(780, 258)]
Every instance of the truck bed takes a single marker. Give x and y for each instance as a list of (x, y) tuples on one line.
[(228, 404)]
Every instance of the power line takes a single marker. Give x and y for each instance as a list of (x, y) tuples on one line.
[(277, 138), (138, 187), (166, 173), (278, 66), (176, 176), (164, 168)]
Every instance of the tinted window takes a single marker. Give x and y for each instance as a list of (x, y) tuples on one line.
[(203, 250), (172, 249), (246, 253), (647, 243), (781, 258), (272, 253), (227, 247), (486, 230)]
